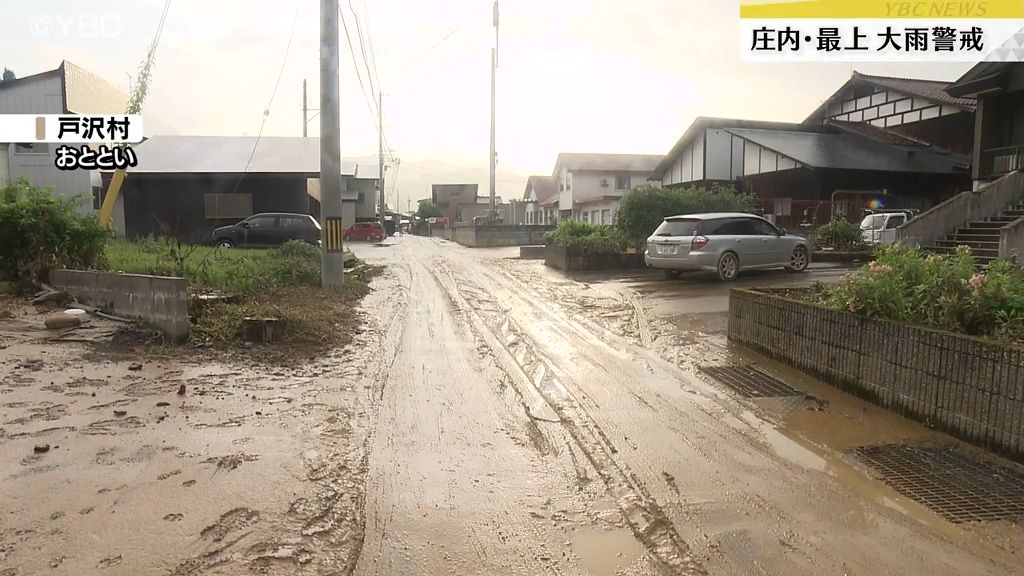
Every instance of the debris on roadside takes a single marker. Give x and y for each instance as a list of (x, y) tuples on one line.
[(181, 390), (62, 320), (41, 448), (263, 330), (50, 294), (120, 413), (136, 366)]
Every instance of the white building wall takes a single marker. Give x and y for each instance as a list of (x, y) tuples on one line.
[(600, 212), (719, 154), (42, 95)]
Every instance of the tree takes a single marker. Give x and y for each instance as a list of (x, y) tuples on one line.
[(8, 76), (643, 208), (428, 210)]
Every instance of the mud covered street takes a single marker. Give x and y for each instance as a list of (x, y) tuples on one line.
[(493, 417)]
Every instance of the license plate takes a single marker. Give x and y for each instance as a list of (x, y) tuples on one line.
[(666, 249)]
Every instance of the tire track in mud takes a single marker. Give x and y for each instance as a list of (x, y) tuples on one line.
[(648, 522)]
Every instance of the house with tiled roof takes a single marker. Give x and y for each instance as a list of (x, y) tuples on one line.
[(894, 142), (919, 109), (590, 186), (541, 198)]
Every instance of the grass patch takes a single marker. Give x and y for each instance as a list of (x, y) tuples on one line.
[(316, 317), (206, 267)]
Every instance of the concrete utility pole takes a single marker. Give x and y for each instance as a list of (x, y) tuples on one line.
[(333, 258), (380, 157), (494, 70), (305, 111)]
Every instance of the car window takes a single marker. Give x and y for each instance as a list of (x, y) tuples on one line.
[(873, 222), (738, 227), (679, 227), (895, 221), (290, 222), (764, 228), (261, 222)]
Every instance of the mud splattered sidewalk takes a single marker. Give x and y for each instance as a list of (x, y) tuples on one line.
[(123, 463)]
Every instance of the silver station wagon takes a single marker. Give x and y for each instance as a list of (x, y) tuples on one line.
[(724, 242)]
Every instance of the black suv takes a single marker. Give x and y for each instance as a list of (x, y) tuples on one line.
[(268, 229)]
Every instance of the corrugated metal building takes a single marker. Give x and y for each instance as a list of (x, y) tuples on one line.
[(185, 186)]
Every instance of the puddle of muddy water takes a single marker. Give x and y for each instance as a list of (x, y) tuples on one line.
[(606, 552)]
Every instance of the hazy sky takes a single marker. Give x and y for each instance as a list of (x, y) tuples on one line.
[(575, 75)]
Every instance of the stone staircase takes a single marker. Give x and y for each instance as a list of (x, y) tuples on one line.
[(981, 235)]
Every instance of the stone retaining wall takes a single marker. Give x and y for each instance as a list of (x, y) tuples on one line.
[(156, 300), (569, 260), (970, 387), (490, 236)]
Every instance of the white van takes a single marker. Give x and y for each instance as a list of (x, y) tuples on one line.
[(879, 227)]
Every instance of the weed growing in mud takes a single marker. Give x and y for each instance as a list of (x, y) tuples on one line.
[(315, 316)]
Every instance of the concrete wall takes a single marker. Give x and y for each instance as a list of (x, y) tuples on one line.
[(500, 235), (970, 387), (987, 201), (159, 301), (1011, 240), (569, 260)]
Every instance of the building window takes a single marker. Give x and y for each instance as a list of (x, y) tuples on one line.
[(783, 206), (606, 217), (568, 180), (455, 194), (228, 206), (32, 148), (622, 182)]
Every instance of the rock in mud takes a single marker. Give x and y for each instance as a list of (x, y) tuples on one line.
[(120, 412), (181, 390), (136, 366), (62, 320), (41, 448)]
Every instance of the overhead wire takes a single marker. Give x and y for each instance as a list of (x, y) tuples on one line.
[(266, 111)]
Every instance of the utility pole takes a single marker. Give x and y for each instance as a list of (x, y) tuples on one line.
[(305, 111), (494, 70), (333, 257), (380, 157)]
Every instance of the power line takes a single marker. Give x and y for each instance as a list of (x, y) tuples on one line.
[(266, 111), (362, 48), (374, 116), (451, 33)]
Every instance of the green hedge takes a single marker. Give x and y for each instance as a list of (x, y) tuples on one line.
[(40, 230), (643, 208), (586, 237), (946, 292)]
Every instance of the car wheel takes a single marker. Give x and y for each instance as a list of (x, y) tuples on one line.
[(798, 260), (348, 237), (225, 243), (728, 267), (672, 274)]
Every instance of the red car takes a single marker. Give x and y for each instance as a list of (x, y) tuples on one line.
[(365, 231)]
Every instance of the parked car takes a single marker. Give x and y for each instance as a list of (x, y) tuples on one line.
[(365, 231), (879, 226), (726, 243), (268, 229)]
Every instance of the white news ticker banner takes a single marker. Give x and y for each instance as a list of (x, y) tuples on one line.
[(28, 128), (998, 40)]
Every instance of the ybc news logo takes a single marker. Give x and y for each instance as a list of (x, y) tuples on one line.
[(882, 31)]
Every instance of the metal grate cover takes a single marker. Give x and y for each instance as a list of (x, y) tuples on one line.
[(959, 488), (750, 382)]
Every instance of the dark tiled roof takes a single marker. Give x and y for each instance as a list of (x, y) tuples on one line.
[(982, 76), (608, 162), (877, 133), (543, 185), (843, 150), (703, 123), (934, 90)]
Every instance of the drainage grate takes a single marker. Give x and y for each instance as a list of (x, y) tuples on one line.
[(959, 488), (750, 382)]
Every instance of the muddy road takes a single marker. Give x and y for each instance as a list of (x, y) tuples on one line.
[(493, 417), (532, 424)]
